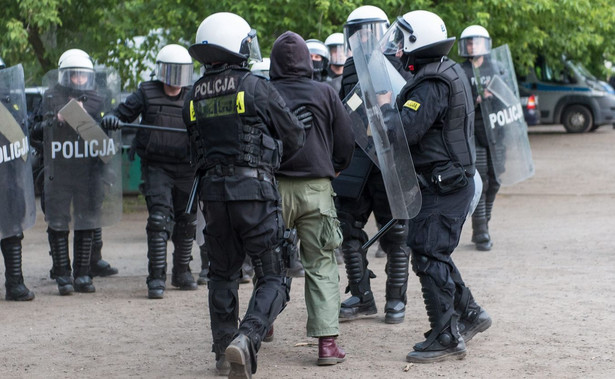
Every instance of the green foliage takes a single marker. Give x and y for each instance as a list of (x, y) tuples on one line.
[(36, 32)]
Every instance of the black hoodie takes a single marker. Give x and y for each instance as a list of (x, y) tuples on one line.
[(330, 142)]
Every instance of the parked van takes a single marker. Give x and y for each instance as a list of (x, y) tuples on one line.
[(570, 96)]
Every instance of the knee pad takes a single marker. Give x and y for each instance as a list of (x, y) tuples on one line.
[(185, 227), (395, 238), (420, 264), (351, 228), (159, 221), (271, 262)]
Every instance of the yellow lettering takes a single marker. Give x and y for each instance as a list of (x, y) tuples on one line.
[(192, 112), (412, 105), (241, 108)]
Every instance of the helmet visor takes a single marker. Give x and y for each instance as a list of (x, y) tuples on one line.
[(250, 48), (174, 74), (474, 46), (338, 55), (392, 43), (377, 27), (77, 78)]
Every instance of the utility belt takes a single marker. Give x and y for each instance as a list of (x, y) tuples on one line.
[(231, 170), (444, 179)]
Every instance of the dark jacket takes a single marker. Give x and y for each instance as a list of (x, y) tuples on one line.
[(330, 141), (157, 108)]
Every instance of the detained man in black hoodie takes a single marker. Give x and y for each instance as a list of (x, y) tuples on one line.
[(304, 182)]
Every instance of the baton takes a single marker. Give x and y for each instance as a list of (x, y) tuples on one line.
[(193, 194), (384, 229), (152, 127)]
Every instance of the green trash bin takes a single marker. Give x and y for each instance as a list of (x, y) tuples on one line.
[(131, 173)]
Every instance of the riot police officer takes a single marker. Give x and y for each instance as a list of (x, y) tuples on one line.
[(319, 53), (361, 191), (337, 54), (165, 167), (238, 124), (74, 191), (436, 109), (475, 45), (17, 202)]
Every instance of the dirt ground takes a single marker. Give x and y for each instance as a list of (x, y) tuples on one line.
[(547, 284)]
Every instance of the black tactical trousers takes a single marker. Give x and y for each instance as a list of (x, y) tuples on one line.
[(486, 169), (167, 189), (433, 235), (353, 215), (234, 229)]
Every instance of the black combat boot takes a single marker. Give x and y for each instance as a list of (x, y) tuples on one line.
[(157, 266), (15, 287), (203, 275), (239, 355), (61, 270), (443, 341), (474, 319), (398, 264), (98, 266), (223, 297), (480, 234), (361, 301), (181, 276), (82, 249)]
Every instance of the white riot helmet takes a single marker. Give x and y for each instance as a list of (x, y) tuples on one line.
[(474, 41), (421, 37), (318, 48), (366, 17), (70, 52), (335, 43), (2, 64), (174, 66), (227, 38), (261, 68), (76, 71)]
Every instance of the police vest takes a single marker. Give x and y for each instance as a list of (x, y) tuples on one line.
[(162, 110), (228, 130), (452, 139)]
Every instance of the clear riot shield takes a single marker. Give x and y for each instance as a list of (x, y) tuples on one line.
[(83, 188), (354, 106), (388, 134), (503, 117), (17, 203)]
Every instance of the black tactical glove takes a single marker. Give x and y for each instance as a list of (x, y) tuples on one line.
[(110, 122), (304, 116)]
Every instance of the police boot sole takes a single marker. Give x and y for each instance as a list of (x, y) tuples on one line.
[(202, 281), (347, 314), (108, 271), (155, 294), (85, 288), (435, 356), (484, 325), (186, 286), (25, 296), (484, 246), (394, 318), (239, 363), (66, 289)]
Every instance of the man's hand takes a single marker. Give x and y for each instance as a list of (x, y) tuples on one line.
[(304, 116), (110, 122)]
